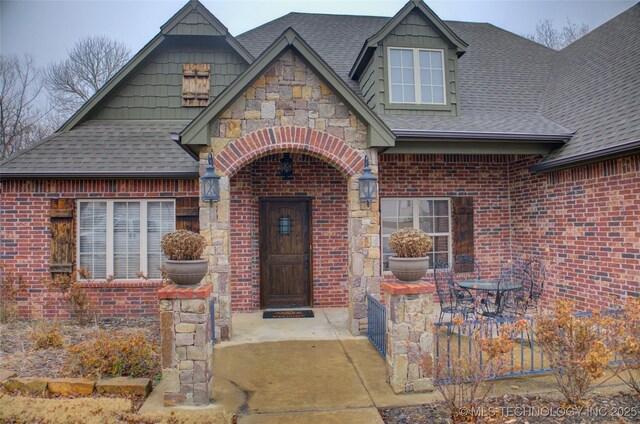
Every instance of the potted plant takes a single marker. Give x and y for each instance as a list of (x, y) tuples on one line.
[(183, 250), (411, 247)]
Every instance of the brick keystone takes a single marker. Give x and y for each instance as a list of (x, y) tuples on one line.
[(395, 288), (201, 291)]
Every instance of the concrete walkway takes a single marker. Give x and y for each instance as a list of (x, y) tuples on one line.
[(304, 370)]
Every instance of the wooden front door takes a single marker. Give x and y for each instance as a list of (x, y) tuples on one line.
[(285, 257)]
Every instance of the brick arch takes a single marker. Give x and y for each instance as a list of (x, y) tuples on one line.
[(259, 143)]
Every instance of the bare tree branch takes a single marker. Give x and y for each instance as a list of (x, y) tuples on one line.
[(91, 62), (547, 35), (22, 120)]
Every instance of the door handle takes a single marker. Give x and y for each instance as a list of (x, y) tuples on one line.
[(306, 262)]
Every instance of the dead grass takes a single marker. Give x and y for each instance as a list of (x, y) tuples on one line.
[(19, 409)]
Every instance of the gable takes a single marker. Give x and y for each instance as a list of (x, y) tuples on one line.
[(155, 90), (143, 88), (198, 132), (194, 23)]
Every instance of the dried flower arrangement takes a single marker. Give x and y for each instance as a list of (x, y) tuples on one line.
[(410, 243), (183, 245)]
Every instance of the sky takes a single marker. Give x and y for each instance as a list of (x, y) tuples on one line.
[(46, 29)]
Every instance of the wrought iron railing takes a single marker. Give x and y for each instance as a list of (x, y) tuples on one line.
[(377, 324), (454, 341)]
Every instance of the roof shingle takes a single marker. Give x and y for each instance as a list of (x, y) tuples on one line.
[(106, 149)]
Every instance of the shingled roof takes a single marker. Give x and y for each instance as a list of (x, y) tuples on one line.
[(501, 78), (107, 149), (595, 89), (506, 83)]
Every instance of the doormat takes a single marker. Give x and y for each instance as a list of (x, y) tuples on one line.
[(306, 313)]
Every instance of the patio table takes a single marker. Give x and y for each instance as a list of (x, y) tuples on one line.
[(490, 287)]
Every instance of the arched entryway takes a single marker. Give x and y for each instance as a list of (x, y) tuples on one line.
[(327, 183)]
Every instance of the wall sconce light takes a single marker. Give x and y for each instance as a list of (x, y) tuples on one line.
[(287, 170), (210, 183), (368, 184)]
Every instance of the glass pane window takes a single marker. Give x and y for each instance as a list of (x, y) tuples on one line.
[(92, 233), (160, 221), (431, 215), (126, 239), (416, 76), (122, 238)]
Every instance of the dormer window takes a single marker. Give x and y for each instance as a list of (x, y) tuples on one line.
[(416, 76)]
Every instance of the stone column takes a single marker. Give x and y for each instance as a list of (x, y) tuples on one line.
[(215, 227), (410, 312), (364, 251), (187, 344)]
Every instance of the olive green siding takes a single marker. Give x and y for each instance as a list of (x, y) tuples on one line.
[(370, 83), (413, 31), (155, 91), (194, 24)]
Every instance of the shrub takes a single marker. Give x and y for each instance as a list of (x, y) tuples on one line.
[(11, 285), (114, 354), (575, 348), (46, 335), (465, 379), (77, 299), (410, 243), (183, 245), (622, 334)]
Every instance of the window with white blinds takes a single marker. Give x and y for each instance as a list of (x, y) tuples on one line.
[(431, 215), (92, 232), (122, 238)]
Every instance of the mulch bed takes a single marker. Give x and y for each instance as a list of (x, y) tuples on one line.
[(531, 409), (17, 351)]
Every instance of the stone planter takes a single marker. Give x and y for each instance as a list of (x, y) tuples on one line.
[(186, 273), (409, 270)]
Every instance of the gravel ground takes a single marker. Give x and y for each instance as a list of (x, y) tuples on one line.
[(531, 409), (17, 351)]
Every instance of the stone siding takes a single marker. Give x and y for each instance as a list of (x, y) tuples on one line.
[(187, 345), (289, 109), (410, 337)]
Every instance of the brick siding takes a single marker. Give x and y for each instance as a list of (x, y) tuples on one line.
[(313, 178), (585, 221), (484, 177), (25, 242)]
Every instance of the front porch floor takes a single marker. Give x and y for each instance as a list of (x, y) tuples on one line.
[(302, 370)]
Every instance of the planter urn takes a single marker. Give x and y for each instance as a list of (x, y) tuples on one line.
[(186, 273), (409, 270)]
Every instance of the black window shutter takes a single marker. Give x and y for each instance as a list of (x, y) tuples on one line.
[(188, 214), (462, 229), (62, 235)]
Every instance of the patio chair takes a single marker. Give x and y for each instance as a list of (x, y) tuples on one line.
[(534, 284), (514, 301), (452, 299), (467, 263)]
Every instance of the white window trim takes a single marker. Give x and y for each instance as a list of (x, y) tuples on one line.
[(416, 76), (416, 225), (143, 233)]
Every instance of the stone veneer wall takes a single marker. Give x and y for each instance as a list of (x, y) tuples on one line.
[(290, 109), (187, 344), (328, 190), (411, 311)]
